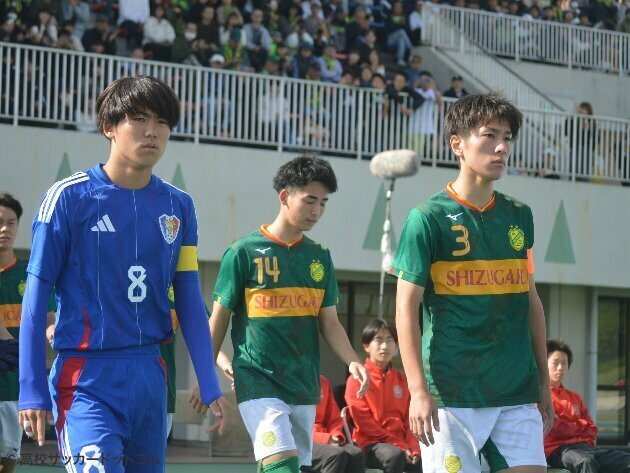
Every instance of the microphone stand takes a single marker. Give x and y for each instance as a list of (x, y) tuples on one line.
[(386, 246)]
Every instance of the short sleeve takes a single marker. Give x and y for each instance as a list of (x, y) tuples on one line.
[(230, 285), (51, 236), (529, 222), (529, 226), (331, 296), (413, 256), (187, 260)]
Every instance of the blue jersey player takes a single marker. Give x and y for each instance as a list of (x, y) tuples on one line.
[(111, 240)]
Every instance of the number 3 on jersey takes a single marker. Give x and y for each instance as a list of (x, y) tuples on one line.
[(461, 239), (137, 290), (273, 272)]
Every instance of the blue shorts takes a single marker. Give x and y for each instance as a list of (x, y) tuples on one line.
[(110, 410)]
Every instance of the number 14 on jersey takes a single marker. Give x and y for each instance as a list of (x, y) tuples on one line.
[(267, 265)]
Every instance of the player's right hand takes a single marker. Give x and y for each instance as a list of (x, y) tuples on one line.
[(195, 400), (219, 408), (423, 417), (33, 421)]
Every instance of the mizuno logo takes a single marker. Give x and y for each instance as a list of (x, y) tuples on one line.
[(103, 225), (454, 217), (262, 250)]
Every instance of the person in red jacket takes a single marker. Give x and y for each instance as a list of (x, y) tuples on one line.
[(332, 453), (571, 442), (381, 417)]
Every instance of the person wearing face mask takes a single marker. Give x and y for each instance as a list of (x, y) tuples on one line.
[(571, 443)]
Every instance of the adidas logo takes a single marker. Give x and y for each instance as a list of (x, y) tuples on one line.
[(104, 225)]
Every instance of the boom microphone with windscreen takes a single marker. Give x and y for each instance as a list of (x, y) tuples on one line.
[(390, 165), (394, 164)]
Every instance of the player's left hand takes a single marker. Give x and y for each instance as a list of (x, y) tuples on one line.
[(358, 372), (219, 408), (195, 400), (546, 409)]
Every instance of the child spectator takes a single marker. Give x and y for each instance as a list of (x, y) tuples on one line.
[(381, 417)]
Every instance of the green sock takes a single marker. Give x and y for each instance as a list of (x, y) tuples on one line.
[(286, 465)]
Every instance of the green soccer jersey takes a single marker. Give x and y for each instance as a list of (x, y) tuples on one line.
[(276, 291), (474, 266), (12, 285)]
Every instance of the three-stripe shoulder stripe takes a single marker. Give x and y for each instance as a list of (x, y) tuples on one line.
[(47, 208)]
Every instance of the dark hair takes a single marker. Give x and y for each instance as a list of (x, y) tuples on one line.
[(588, 107), (400, 72), (554, 345), (473, 111), (303, 170), (133, 95), (373, 327), (7, 200)]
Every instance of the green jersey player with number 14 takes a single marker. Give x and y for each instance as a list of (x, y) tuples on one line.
[(282, 289), (466, 255)]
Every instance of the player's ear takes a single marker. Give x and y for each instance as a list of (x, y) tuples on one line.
[(284, 196), (456, 144), (108, 130)]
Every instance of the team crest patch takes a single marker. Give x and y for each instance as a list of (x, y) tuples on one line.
[(517, 237), (21, 287), (171, 293), (169, 224), (452, 464), (268, 439), (317, 271), (398, 392)]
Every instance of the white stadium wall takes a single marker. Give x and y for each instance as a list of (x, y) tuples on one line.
[(581, 228)]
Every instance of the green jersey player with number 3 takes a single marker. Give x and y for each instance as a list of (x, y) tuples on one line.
[(479, 368)]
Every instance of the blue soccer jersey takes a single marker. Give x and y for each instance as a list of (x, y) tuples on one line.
[(112, 254)]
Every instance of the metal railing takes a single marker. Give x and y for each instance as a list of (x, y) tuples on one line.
[(59, 88), (541, 41), (473, 61)]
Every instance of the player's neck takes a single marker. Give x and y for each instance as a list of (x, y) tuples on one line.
[(6, 257), (283, 231), (127, 177), (474, 189)]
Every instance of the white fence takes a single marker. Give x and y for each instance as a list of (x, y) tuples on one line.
[(55, 88), (535, 40), (471, 60)]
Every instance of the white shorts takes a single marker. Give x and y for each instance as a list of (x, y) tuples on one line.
[(507, 437), (169, 423), (10, 430), (275, 426)]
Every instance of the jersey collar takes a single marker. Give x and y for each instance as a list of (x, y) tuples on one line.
[(455, 196), (267, 234), (10, 265)]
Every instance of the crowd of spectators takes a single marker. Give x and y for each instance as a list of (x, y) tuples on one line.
[(336, 40), (340, 41), (607, 14)]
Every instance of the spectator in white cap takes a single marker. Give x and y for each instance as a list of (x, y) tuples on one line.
[(217, 61)]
